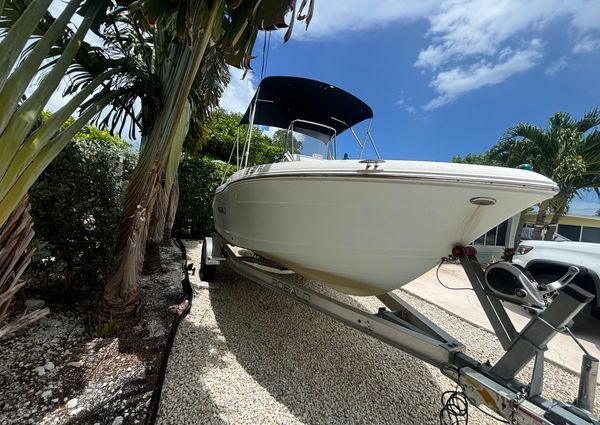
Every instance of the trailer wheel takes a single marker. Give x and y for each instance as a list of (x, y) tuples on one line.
[(207, 271)]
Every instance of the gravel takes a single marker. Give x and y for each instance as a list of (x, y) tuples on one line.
[(55, 372), (247, 355)]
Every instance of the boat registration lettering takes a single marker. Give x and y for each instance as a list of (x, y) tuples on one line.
[(286, 287)]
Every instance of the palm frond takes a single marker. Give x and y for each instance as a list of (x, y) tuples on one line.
[(209, 85), (590, 120), (560, 120), (590, 146), (528, 131)]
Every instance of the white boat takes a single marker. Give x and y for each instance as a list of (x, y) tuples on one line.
[(363, 227)]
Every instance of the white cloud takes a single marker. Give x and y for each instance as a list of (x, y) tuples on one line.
[(474, 43), (463, 29), (585, 14), (477, 43), (239, 93), (332, 18), (402, 103), (587, 45), (452, 83), (269, 131), (556, 66)]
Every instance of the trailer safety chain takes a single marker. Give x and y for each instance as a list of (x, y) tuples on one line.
[(188, 296)]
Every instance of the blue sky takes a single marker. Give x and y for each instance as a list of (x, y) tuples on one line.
[(446, 77)]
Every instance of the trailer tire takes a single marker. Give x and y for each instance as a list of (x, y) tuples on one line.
[(207, 271)]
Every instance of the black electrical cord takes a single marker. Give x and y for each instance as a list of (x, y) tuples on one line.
[(455, 408), (437, 275), (188, 295), (455, 405)]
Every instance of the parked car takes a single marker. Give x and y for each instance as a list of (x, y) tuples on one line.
[(548, 260)]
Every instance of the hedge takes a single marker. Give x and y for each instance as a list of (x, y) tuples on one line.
[(198, 179), (76, 207)]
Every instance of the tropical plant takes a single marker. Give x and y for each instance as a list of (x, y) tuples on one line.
[(281, 139), (473, 158), (219, 135), (26, 146), (136, 56), (567, 151), (191, 25), (209, 84)]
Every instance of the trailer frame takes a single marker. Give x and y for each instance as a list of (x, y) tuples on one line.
[(404, 327)]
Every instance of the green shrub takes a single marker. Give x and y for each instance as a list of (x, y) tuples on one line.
[(220, 135), (198, 179), (76, 207)]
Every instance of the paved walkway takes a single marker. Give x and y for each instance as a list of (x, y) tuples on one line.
[(464, 304)]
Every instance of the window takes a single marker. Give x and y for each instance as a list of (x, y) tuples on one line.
[(570, 231), (490, 237), (501, 238), (590, 234), (493, 237)]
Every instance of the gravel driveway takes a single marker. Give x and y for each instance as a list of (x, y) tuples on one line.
[(247, 355)]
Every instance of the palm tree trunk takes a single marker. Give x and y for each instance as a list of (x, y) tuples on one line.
[(121, 292), (152, 262), (509, 252), (15, 235), (520, 226), (553, 226), (540, 220), (171, 212)]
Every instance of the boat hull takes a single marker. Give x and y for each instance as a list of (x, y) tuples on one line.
[(362, 234)]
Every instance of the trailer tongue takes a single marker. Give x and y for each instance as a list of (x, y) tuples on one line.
[(400, 325)]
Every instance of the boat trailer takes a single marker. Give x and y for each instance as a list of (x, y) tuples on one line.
[(400, 325)]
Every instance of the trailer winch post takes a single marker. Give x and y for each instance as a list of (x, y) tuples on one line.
[(587, 383), (540, 330)]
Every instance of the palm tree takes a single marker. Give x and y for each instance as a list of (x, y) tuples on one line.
[(209, 85), (161, 70), (232, 25), (27, 146), (126, 46), (567, 151)]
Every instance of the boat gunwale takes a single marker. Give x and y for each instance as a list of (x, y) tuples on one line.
[(370, 175)]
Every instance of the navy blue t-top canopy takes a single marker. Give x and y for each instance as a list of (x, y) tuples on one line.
[(282, 100)]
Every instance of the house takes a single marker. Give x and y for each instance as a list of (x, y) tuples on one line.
[(580, 228), (490, 246)]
